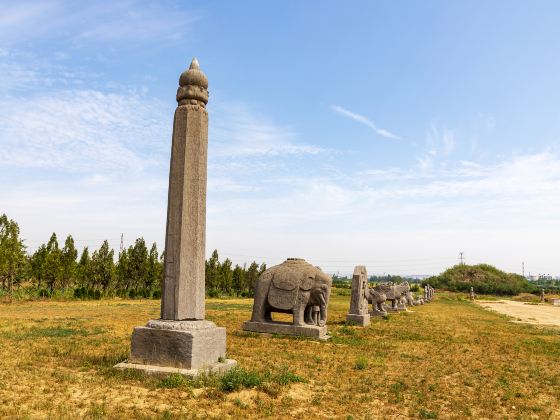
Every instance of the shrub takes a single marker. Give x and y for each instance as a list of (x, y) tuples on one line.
[(361, 363), (238, 378), (213, 293), (173, 381)]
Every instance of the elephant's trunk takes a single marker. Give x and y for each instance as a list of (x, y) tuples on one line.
[(323, 311)]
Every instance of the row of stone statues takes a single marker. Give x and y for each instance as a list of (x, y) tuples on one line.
[(298, 288), (399, 296)]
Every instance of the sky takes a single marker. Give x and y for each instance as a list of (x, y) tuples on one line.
[(389, 134)]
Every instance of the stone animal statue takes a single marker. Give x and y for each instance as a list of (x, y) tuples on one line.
[(294, 287), (410, 301), (377, 297), (394, 292)]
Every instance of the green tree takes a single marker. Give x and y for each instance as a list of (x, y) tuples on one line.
[(238, 279), (52, 267), (226, 276), (37, 263), (212, 266), (252, 277), (103, 267), (12, 253), (138, 264), (68, 262), (123, 271), (155, 269), (83, 268)]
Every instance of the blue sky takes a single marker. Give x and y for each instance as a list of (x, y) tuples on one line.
[(391, 134)]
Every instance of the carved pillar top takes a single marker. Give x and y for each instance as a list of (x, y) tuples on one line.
[(193, 86)]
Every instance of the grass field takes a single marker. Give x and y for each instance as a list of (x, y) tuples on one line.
[(447, 359)]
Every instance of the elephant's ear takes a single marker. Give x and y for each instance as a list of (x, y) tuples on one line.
[(307, 281), (285, 279)]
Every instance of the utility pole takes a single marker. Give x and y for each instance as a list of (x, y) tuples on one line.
[(122, 243), (461, 258), (523, 268)]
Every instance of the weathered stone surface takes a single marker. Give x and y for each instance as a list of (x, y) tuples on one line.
[(192, 348), (388, 291), (361, 320), (185, 239), (182, 341), (401, 304), (162, 371), (294, 287), (358, 301), (311, 331), (358, 313)]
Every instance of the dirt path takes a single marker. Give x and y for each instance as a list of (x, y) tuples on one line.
[(523, 312)]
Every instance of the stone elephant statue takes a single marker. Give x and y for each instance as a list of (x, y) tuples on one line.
[(295, 287)]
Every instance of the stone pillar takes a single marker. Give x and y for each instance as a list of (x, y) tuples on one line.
[(182, 341), (542, 295), (185, 238), (359, 313), (471, 295)]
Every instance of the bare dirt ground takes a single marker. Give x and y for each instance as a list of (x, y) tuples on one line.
[(524, 312)]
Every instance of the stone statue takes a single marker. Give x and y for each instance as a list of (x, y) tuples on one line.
[(377, 297), (397, 292), (359, 313), (293, 287), (409, 297), (401, 305), (471, 294)]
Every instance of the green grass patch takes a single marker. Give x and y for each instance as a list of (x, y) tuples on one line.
[(361, 363)]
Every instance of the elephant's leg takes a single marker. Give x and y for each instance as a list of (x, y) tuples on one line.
[(260, 302), (258, 311), (309, 315), (298, 312)]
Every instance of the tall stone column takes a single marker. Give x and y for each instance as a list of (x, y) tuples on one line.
[(182, 341), (185, 239)]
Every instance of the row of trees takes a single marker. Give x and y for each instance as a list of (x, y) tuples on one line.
[(135, 272)]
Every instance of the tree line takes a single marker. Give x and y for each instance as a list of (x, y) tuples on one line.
[(58, 269)]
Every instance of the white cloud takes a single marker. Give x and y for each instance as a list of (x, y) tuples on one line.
[(237, 131), (83, 130), (441, 140), (126, 21), (365, 121)]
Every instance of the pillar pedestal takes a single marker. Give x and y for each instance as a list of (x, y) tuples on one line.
[(191, 348)]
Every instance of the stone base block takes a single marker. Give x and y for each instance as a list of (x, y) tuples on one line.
[(311, 331), (391, 309), (378, 314), (361, 320), (161, 371), (178, 344)]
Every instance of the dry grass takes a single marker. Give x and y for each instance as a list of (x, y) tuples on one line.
[(448, 359)]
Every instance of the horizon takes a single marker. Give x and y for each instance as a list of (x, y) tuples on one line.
[(397, 139)]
